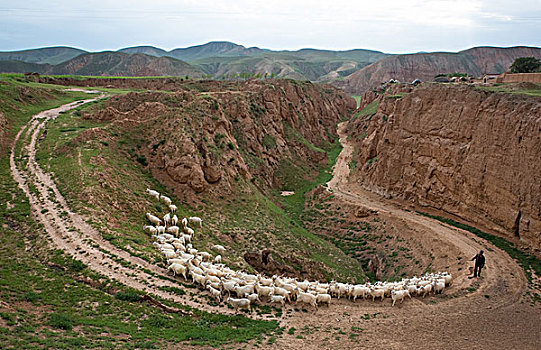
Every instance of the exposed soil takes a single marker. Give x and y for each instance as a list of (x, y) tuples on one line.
[(483, 313)]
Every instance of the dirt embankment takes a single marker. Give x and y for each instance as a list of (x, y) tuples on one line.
[(460, 150), (196, 141)]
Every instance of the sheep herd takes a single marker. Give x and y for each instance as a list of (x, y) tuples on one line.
[(208, 272)]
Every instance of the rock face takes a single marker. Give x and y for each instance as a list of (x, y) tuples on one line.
[(196, 141), (458, 149), (425, 66)]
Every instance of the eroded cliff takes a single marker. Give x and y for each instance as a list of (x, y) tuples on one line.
[(468, 152)]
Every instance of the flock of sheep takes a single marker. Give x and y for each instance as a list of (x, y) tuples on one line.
[(175, 244)]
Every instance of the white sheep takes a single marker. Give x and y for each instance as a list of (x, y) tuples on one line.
[(264, 290), (215, 293), (184, 222), (188, 230), (241, 291), (151, 229), (166, 200), (307, 298), (323, 298), (196, 220), (377, 293), (153, 193), (358, 291), (199, 279), (438, 286), (173, 230), (161, 229), (178, 268), (281, 291), (278, 299), (172, 208), (218, 248), (253, 297), (426, 289), (174, 219), (228, 286), (218, 259), (167, 218), (399, 295), (153, 219), (241, 303)]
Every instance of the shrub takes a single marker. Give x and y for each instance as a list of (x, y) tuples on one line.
[(269, 141), (77, 265), (128, 295), (61, 321), (142, 160)]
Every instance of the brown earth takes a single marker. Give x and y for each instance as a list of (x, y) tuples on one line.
[(424, 66), (460, 150)]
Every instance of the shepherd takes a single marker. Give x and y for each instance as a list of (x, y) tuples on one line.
[(479, 263)]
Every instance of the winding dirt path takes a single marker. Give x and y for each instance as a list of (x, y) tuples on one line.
[(71, 233)]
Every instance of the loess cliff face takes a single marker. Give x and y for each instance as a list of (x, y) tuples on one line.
[(468, 152), (206, 137)]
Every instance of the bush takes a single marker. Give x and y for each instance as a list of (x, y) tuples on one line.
[(77, 265), (142, 160), (31, 297), (61, 321), (128, 295), (269, 141)]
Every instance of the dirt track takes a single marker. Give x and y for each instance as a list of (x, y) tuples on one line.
[(490, 315)]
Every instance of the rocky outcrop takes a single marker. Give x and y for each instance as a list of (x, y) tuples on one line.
[(458, 149), (425, 66)]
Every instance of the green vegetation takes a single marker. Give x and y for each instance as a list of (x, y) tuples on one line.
[(526, 65), (357, 99), (367, 111), (528, 262), (531, 90), (295, 135)]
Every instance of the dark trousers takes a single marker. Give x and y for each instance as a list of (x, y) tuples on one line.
[(477, 271)]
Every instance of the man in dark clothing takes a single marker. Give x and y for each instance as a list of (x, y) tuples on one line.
[(479, 263)]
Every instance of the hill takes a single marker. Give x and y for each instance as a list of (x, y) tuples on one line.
[(147, 50), (476, 62), (122, 64), (49, 55), (108, 64)]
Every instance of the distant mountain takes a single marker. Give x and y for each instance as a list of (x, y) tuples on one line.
[(122, 64), (147, 50), (50, 55), (225, 60), (476, 61), (109, 64), (217, 59), (214, 49)]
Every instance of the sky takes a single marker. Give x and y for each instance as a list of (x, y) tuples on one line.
[(392, 26)]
